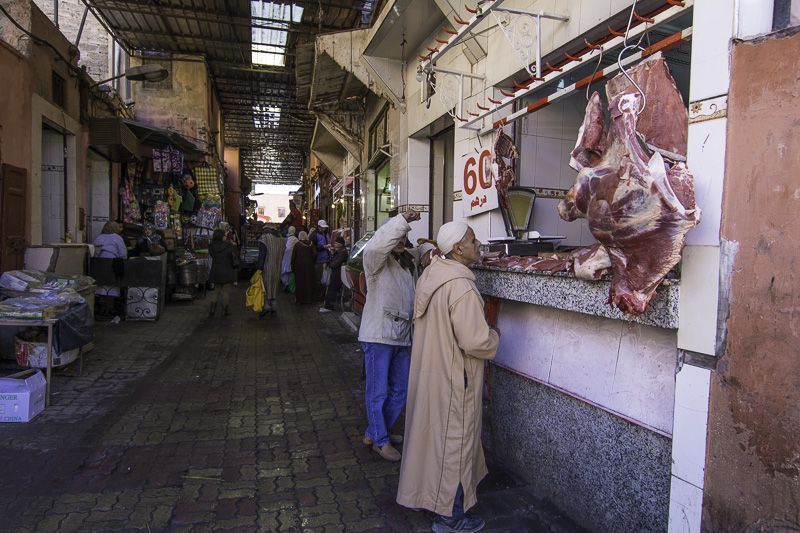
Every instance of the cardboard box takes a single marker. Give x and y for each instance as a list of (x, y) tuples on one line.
[(22, 396)]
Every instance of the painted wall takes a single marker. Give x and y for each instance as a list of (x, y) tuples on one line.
[(181, 103), (753, 471), (233, 186)]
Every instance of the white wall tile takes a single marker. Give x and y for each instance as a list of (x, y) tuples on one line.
[(550, 121), (713, 22), (593, 13), (548, 162), (706, 160), (527, 162), (545, 216), (619, 5), (568, 174), (527, 342), (585, 355), (644, 385), (685, 507), (690, 424), (699, 295)]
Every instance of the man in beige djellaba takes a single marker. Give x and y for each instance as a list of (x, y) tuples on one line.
[(442, 456)]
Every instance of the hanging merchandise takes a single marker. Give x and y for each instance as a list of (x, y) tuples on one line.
[(168, 160), (174, 199), (131, 214), (208, 216), (207, 182), (161, 215)]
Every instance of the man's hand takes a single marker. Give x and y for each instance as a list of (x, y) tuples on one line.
[(411, 215)]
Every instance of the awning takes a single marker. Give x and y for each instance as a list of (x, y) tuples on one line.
[(342, 184), (151, 136), (113, 139), (328, 149)]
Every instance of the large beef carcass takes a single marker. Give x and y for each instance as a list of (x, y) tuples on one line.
[(639, 203), (503, 171)]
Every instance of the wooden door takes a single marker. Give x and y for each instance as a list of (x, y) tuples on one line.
[(13, 217)]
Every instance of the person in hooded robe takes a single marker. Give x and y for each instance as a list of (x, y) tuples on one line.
[(286, 264), (270, 257), (443, 458), (303, 255)]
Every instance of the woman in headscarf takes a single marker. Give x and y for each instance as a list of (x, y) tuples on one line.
[(338, 260), (442, 457), (303, 255), (110, 245), (286, 264), (224, 261), (270, 257)]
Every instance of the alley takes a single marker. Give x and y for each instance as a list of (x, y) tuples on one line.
[(236, 423)]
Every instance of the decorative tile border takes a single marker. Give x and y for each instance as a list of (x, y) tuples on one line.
[(708, 109), (422, 208), (555, 194)]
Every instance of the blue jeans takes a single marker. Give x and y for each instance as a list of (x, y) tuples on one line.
[(458, 507), (387, 386)]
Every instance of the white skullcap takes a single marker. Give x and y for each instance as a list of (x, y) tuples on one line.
[(424, 248), (292, 230), (303, 236), (449, 235)]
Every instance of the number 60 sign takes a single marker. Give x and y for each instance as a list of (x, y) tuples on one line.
[(479, 193)]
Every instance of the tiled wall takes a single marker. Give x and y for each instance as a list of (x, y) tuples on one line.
[(548, 137), (627, 369)]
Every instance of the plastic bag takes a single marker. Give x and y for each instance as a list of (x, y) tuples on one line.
[(255, 292)]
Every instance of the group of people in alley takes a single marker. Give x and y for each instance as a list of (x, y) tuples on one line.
[(425, 339), (424, 335)]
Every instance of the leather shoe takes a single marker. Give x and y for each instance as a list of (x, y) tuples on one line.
[(394, 439), (388, 452)]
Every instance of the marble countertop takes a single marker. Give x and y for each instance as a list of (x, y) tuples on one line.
[(566, 292)]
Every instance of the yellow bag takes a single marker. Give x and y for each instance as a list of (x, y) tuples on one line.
[(255, 292)]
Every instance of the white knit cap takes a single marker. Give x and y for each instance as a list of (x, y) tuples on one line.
[(424, 248), (449, 235)]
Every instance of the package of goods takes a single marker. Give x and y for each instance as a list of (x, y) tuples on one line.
[(30, 349), (22, 396), (131, 214), (161, 215), (40, 306), (21, 280), (207, 217)]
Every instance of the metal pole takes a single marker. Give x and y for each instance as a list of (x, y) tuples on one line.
[(539, 44), (80, 29), (55, 12), (49, 360)]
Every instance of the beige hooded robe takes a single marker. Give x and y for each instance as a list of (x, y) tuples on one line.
[(442, 444)]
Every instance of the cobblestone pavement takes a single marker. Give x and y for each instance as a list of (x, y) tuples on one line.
[(236, 423)]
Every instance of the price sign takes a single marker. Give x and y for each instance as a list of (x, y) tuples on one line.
[(479, 193)]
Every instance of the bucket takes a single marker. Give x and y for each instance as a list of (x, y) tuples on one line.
[(187, 274)]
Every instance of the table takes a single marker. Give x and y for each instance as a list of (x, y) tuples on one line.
[(49, 323)]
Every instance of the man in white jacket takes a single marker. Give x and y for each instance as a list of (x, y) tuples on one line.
[(385, 332)]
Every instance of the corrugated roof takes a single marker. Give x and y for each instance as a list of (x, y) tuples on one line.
[(222, 32)]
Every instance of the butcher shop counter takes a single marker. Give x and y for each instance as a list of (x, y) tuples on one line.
[(566, 292)]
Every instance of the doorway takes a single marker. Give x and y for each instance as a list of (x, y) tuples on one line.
[(441, 181), (54, 186), (13, 217), (99, 194)]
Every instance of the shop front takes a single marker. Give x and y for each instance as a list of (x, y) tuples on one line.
[(591, 384)]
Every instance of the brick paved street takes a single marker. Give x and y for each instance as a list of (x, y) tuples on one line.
[(239, 423)]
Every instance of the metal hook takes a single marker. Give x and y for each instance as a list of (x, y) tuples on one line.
[(596, 68), (630, 79)]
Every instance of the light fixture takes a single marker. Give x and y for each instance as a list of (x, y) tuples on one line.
[(150, 72)]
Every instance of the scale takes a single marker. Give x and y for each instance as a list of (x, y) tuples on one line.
[(516, 218)]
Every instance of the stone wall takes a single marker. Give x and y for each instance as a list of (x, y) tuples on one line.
[(95, 41), (604, 472)]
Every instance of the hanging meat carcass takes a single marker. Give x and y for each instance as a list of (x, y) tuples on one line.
[(503, 171), (639, 204)]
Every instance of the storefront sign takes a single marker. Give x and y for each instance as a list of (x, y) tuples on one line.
[(479, 193)]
